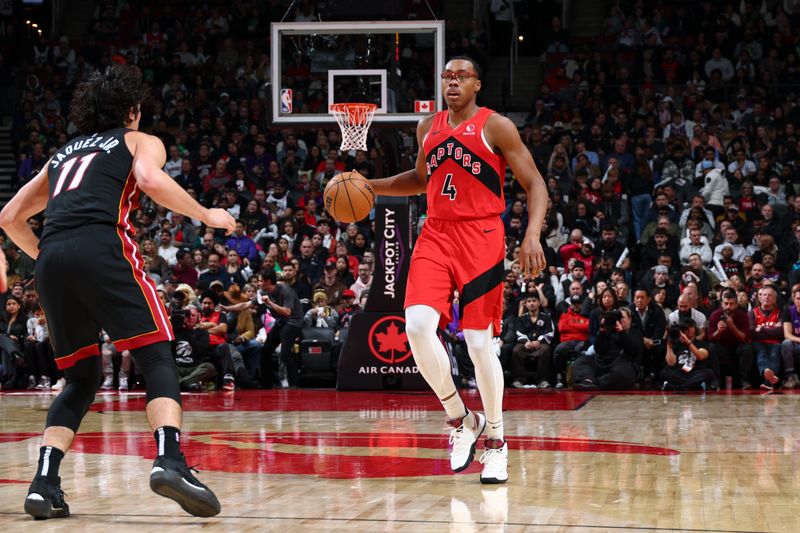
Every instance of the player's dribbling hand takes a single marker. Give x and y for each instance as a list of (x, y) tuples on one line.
[(220, 218), (532, 258)]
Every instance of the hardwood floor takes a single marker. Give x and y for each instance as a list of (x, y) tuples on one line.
[(333, 461)]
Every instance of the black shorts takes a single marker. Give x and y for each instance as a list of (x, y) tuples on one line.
[(91, 278)]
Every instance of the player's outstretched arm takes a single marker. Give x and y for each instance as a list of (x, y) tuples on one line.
[(149, 157), (410, 182), (30, 200), (503, 134)]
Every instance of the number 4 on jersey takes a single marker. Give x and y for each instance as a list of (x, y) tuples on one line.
[(66, 168), (449, 189)]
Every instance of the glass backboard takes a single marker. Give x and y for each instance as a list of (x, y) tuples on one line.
[(393, 64)]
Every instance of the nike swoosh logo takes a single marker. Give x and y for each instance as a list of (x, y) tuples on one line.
[(489, 230), (495, 427)]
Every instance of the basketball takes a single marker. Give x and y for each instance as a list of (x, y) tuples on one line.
[(349, 197)]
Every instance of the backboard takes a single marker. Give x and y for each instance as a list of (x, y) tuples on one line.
[(393, 64)]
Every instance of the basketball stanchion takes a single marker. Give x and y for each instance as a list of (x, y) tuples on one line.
[(376, 354)]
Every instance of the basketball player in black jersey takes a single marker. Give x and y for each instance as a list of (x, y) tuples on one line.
[(89, 277)]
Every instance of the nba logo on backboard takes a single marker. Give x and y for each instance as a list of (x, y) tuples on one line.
[(423, 106), (286, 100)]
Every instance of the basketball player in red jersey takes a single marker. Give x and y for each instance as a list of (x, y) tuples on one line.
[(89, 276), (461, 165)]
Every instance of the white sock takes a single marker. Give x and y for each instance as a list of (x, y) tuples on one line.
[(431, 357), (488, 377)]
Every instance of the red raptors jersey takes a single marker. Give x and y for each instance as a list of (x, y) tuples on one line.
[(465, 177)]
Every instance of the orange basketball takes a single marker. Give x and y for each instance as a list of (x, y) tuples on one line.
[(349, 197)]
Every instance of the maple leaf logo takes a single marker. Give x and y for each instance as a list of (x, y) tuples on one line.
[(389, 345), (392, 340)]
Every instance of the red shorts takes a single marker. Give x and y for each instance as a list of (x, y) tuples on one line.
[(466, 255)]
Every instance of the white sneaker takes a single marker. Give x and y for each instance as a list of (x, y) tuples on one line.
[(123, 384), (284, 383), (463, 439), (517, 384), (108, 383), (59, 385), (495, 464), (44, 383)]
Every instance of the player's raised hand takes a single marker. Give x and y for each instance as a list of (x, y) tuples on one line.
[(531, 257), (220, 218)]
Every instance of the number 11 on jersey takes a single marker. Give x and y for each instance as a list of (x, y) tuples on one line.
[(66, 168), (449, 189)]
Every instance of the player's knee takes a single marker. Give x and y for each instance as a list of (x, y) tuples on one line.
[(478, 342), (420, 324), (158, 368)]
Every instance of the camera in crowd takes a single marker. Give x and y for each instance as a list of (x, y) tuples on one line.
[(178, 318), (674, 333), (675, 330), (611, 319)]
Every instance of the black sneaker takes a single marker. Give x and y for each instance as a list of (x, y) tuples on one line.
[(173, 479), (46, 500)]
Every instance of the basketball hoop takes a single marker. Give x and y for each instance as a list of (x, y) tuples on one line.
[(354, 120)]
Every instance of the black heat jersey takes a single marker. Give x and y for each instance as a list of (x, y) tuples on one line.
[(91, 183), (89, 273)]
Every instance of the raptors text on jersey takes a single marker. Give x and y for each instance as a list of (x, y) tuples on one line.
[(465, 176)]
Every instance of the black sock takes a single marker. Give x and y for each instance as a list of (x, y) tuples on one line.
[(168, 440), (49, 463)]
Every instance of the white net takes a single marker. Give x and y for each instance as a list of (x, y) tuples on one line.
[(354, 120)]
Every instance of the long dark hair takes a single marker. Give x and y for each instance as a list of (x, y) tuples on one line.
[(105, 101)]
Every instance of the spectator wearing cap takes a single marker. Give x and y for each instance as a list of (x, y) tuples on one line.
[(243, 245), (531, 335), (321, 315), (347, 308), (661, 279), (184, 271), (581, 251), (574, 333), (215, 272), (331, 285), (577, 272)]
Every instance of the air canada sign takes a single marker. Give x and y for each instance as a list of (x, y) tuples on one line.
[(388, 343)]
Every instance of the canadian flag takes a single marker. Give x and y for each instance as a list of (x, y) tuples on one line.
[(423, 106)]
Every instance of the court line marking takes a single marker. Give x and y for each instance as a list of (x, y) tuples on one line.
[(402, 521)]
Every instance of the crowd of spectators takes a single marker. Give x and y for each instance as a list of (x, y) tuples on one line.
[(668, 147)]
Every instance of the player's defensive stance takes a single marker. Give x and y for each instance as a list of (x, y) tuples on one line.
[(89, 276), (461, 165)]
